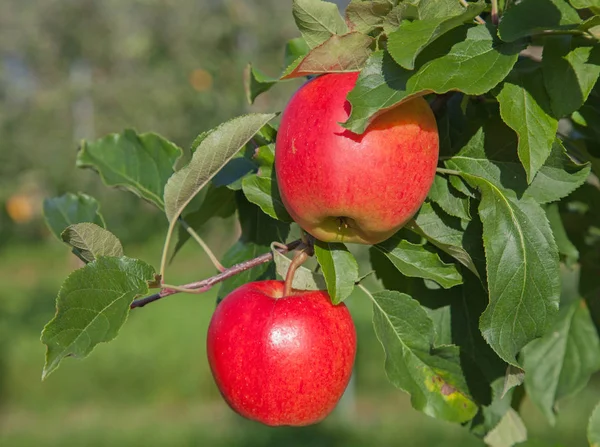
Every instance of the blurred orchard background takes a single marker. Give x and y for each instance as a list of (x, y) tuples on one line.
[(73, 69)]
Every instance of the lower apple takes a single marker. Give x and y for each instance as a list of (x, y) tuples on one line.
[(281, 360)]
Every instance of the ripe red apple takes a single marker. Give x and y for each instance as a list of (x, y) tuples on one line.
[(281, 360), (344, 187)]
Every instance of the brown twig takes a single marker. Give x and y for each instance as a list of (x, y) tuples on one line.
[(207, 283), (495, 16)]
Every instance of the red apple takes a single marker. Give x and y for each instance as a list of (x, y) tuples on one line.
[(344, 187), (281, 360)]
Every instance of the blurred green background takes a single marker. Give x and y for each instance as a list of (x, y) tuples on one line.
[(73, 69)]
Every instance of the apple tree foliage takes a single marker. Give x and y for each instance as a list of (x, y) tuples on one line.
[(490, 293)]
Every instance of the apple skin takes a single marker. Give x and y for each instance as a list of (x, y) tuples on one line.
[(343, 187), (281, 360)]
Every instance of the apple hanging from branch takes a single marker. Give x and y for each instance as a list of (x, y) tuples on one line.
[(281, 359), (344, 187)]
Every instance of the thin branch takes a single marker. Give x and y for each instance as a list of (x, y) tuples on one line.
[(495, 17), (565, 32), (447, 171), (202, 244), (206, 284), (185, 289), (165, 252)]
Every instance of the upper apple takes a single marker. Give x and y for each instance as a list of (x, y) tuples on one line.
[(281, 360), (344, 187)]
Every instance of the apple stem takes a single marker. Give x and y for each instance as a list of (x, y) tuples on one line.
[(299, 258)]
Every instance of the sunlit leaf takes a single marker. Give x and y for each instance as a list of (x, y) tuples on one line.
[(431, 375), (525, 107), (522, 265), (338, 54), (417, 261), (92, 305), (468, 59), (214, 151), (407, 42), (317, 20), (339, 268), (90, 241), (141, 163), (533, 16)]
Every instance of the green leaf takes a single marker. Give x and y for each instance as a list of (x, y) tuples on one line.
[(366, 17), (491, 414), (435, 9), (559, 176), (508, 432), (448, 199), (90, 241), (258, 232), (584, 4), (525, 107), (258, 227), (588, 24), (256, 82), (565, 246), (490, 154), (461, 186), (69, 209), (417, 261), (473, 64), (218, 202), (264, 157), (304, 279), (317, 20), (294, 49), (339, 267), (214, 151), (404, 11), (431, 375), (338, 54), (455, 313), (514, 377), (570, 72), (449, 235), (522, 266), (534, 16), (234, 172), (140, 163), (407, 42), (263, 191), (560, 363), (92, 305), (593, 430)]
